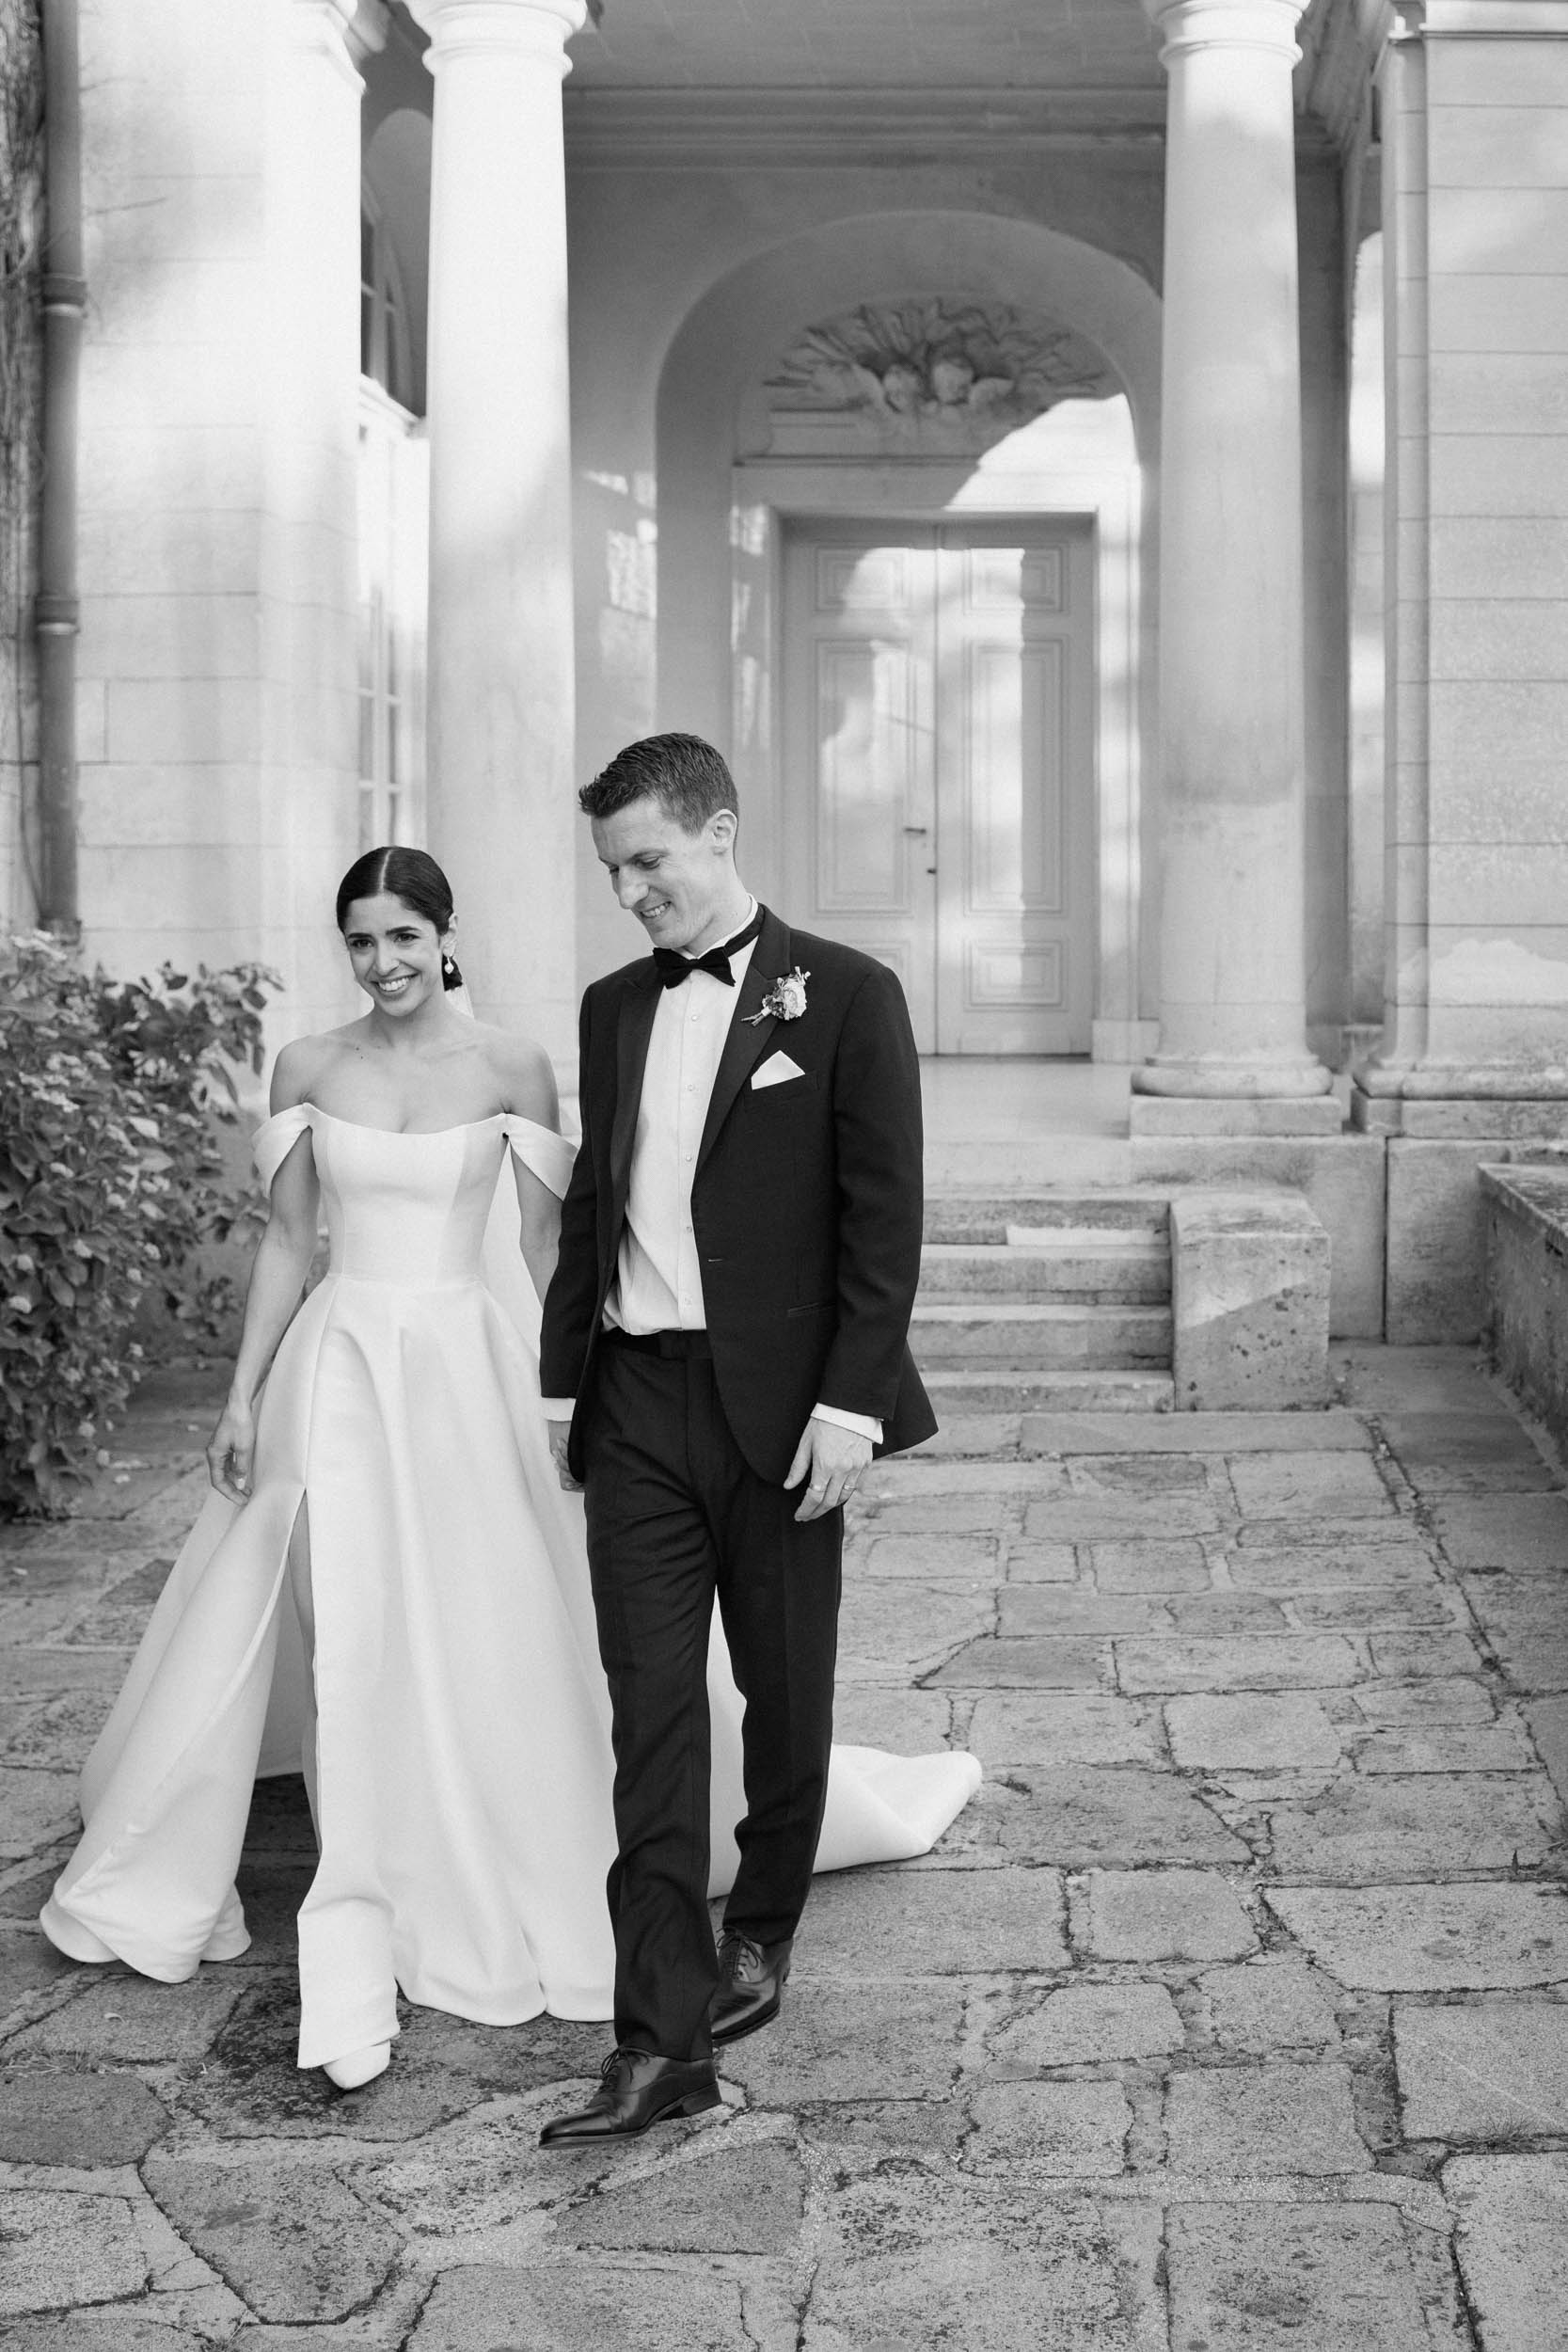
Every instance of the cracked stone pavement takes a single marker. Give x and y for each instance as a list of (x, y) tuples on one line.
[(1232, 2017)]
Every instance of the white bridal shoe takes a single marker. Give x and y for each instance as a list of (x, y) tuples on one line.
[(359, 2067)]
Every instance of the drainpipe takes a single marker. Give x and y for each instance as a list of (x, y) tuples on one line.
[(55, 610)]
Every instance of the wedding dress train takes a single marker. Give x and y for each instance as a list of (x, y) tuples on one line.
[(454, 1732)]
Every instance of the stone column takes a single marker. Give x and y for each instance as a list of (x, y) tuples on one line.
[(1474, 1062), (1233, 1009), (502, 808)]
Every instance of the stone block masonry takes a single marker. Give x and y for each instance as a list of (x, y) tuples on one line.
[(1250, 1288), (1234, 2011)]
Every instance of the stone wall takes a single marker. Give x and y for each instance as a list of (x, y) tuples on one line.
[(216, 668)]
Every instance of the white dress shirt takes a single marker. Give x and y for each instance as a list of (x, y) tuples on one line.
[(658, 1281)]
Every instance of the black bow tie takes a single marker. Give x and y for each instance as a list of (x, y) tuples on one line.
[(673, 967)]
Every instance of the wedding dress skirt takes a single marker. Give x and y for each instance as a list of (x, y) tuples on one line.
[(454, 1734)]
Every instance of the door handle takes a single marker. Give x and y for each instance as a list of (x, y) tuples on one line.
[(919, 829)]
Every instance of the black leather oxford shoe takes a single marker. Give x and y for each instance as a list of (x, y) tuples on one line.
[(638, 2090), (751, 1984)]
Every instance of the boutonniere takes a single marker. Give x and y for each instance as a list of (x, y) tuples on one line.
[(785, 1001)]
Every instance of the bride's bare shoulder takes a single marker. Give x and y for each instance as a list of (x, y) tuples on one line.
[(301, 1065), (523, 1074)]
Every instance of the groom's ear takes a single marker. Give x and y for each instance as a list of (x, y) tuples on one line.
[(722, 827)]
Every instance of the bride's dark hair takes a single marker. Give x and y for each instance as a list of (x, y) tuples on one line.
[(411, 875)]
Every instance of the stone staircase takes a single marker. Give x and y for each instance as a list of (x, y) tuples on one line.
[(1045, 1300)]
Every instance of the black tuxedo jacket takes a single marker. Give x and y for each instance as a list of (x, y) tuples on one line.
[(806, 1204)]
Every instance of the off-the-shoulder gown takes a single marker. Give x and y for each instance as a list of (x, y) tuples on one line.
[(454, 1733)]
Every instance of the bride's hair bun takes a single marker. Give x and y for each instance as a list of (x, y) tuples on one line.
[(411, 875)]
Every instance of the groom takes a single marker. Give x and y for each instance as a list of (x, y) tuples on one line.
[(724, 1347)]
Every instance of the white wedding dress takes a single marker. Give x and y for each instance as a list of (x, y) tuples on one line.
[(455, 1733)]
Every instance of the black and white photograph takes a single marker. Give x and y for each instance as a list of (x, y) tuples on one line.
[(783, 1175)]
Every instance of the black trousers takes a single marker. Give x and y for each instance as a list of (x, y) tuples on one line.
[(676, 1518)]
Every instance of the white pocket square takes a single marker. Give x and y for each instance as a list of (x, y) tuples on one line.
[(775, 1069)]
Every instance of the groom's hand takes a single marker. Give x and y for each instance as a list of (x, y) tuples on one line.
[(560, 1432), (832, 1461)]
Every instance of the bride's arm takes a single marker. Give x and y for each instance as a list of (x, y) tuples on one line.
[(527, 1087), (276, 1280), (539, 1230)]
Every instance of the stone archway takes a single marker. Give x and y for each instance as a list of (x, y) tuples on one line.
[(726, 498)]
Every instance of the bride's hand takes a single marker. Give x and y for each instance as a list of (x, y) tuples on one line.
[(560, 1432), (229, 1452)]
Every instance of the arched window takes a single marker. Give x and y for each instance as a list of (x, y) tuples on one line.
[(383, 313)]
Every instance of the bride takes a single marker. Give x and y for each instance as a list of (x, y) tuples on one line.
[(388, 1588)]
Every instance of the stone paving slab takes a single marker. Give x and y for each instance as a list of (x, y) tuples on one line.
[(62, 2249), (639, 2307), (1408, 1938), (1524, 1620), (1030, 1729), (1086, 2025), (1231, 2016), (1459, 1824), (1484, 2069), (1548, 1719), (1326, 2278), (1302, 1661), (1512, 2247), (1284, 1728), (1306, 1568), (1284, 1485), (1159, 1916), (1333, 1430), (1513, 1532), (911, 2260), (1266, 2006), (1270, 2118)]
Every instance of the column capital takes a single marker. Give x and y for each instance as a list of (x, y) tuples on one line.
[(1189, 24), (496, 28)]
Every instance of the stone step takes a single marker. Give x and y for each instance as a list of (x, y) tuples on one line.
[(991, 1163), (1022, 1336), (955, 1394), (983, 1217), (1067, 1263)]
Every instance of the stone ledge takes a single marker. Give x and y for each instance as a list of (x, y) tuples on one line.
[(1525, 1211)]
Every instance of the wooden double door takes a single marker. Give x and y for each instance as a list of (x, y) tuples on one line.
[(937, 764)]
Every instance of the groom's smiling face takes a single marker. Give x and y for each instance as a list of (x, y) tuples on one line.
[(682, 887)]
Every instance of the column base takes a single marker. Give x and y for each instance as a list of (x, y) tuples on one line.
[(1285, 1096), (1234, 1114), (1292, 1077)]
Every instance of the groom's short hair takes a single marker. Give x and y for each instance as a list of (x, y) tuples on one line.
[(685, 775)]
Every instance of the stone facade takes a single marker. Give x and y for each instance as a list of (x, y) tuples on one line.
[(737, 209)]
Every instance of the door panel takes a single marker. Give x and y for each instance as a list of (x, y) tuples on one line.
[(866, 733), (858, 751), (938, 772)]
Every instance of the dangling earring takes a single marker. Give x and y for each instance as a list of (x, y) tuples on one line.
[(448, 969)]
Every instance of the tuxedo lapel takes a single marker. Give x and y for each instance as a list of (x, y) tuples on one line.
[(748, 1038), (638, 1002)]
